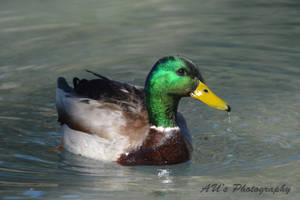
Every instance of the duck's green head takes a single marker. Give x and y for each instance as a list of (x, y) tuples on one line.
[(170, 79)]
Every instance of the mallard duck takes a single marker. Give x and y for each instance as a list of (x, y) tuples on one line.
[(109, 120)]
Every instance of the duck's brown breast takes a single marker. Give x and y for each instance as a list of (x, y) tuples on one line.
[(159, 148)]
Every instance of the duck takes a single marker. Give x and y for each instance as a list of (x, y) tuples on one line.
[(113, 121)]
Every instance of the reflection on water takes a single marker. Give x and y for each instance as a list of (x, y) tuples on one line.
[(248, 53)]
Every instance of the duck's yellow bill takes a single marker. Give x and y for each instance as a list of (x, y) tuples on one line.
[(204, 94)]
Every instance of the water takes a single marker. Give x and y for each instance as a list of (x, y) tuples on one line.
[(248, 52)]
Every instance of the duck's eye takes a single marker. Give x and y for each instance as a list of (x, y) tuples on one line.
[(181, 72), (205, 90)]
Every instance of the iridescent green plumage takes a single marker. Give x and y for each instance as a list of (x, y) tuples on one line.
[(170, 79)]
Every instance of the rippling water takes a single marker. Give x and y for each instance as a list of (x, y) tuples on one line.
[(248, 52)]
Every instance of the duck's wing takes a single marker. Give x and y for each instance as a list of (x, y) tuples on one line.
[(103, 107)]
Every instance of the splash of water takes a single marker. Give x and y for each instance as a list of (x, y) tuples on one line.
[(229, 117), (164, 176), (229, 129)]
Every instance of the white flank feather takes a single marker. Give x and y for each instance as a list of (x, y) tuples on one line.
[(92, 146)]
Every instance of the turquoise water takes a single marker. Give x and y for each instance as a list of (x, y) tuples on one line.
[(248, 52)]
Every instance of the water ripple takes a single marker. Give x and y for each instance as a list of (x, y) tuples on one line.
[(34, 193), (9, 19), (39, 27), (32, 158)]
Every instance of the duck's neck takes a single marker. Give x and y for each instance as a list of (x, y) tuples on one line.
[(162, 109)]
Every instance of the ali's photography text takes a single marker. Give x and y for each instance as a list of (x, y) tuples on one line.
[(244, 188)]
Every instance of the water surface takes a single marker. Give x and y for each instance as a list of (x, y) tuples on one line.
[(248, 53)]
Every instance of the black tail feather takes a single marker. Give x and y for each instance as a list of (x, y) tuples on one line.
[(96, 74), (62, 84)]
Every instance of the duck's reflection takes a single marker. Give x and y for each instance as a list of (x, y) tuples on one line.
[(109, 176)]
